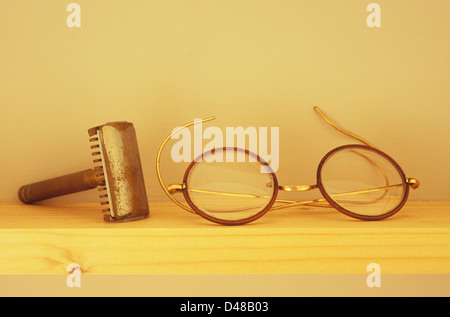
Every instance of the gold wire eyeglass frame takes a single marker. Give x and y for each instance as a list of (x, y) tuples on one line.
[(326, 201)]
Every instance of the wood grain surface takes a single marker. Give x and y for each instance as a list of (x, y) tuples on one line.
[(45, 238)]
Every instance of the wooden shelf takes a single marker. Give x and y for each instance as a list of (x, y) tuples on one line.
[(46, 237)]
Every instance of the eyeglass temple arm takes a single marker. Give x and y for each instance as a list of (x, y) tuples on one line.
[(340, 129), (412, 182), (177, 188), (173, 188)]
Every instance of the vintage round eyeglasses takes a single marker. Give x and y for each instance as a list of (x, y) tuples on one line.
[(358, 180)]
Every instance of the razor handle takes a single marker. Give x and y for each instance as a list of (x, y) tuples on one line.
[(59, 186)]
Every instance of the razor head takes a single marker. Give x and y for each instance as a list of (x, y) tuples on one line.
[(117, 158)]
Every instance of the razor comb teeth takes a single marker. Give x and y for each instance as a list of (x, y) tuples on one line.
[(104, 194)]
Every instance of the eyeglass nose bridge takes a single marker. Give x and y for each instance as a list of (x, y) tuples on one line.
[(297, 188)]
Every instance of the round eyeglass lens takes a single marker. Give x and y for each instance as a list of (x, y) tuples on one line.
[(230, 185), (363, 181)]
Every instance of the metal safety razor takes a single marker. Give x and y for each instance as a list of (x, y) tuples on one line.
[(117, 173)]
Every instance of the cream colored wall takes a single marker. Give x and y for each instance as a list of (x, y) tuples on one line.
[(159, 64)]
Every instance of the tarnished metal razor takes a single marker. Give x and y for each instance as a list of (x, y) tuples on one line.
[(117, 173)]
